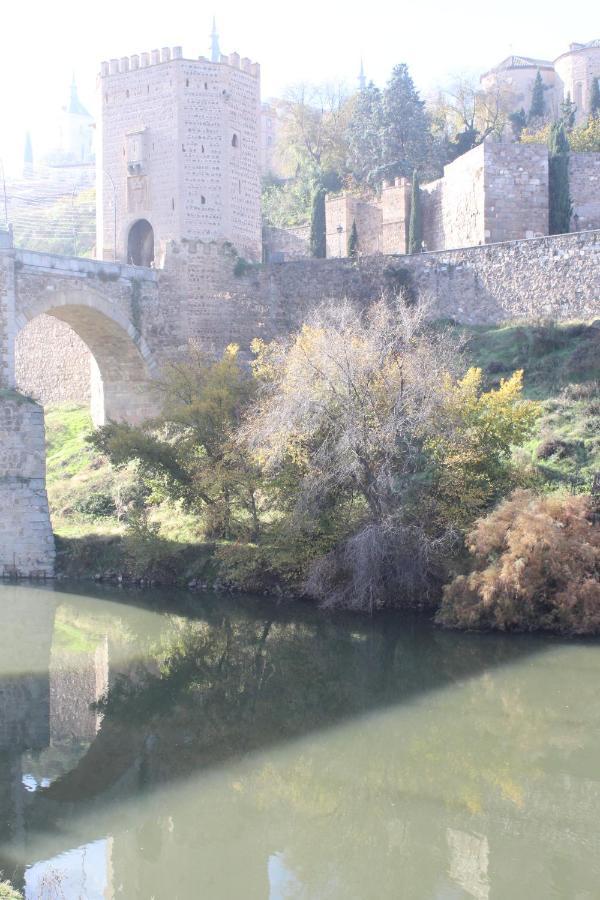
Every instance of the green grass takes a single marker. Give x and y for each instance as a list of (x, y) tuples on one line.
[(561, 367)]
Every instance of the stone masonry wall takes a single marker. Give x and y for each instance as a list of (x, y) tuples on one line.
[(287, 243), (516, 191), (52, 364), (453, 207), (179, 143), (26, 542), (584, 184), (552, 277)]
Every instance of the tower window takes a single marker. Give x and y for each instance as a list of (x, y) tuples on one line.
[(202, 148), (172, 203), (187, 82), (127, 92), (234, 141), (206, 85), (202, 199), (106, 98)]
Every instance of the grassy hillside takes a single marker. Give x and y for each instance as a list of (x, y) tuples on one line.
[(561, 365), (90, 501)]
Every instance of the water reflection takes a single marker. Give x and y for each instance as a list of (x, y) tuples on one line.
[(177, 748)]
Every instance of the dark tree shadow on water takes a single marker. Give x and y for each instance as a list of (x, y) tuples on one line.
[(213, 679)]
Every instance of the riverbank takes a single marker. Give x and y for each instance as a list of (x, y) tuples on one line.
[(91, 502)]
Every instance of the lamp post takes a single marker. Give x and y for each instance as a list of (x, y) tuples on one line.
[(340, 231)]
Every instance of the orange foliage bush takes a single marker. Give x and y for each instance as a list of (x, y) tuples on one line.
[(537, 566)]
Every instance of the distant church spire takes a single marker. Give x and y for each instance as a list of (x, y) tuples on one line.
[(215, 51), (362, 80)]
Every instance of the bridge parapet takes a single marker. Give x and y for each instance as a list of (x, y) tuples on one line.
[(81, 266)]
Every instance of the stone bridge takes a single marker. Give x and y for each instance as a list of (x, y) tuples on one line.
[(103, 303)]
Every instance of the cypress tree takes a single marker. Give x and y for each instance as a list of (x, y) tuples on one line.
[(560, 199), (318, 240), (353, 242), (567, 112), (538, 102), (415, 228), (595, 98)]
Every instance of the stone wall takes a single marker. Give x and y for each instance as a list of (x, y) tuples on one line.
[(552, 277), (179, 146), (516, 191), (584, 184), (286, 243), (453, 207), (52, 364), (26, 542)]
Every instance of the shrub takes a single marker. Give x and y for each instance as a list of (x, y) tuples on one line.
[(243, 567), (97, 505), (537, 566), (554, 446), (8, 892)]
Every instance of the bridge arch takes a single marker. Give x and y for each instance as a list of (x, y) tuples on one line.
[(122, 370)]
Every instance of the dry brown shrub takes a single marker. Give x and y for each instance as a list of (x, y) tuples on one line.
[(537, 566)]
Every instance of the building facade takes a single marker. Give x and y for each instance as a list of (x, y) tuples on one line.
[(570, 76), (178, 154)]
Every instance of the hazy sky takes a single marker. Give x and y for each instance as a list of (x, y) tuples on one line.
[(41, 44)]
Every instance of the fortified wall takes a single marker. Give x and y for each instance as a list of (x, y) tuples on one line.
[(203, 301), (495, 192)]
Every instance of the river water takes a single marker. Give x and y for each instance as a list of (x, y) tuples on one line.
[(158, 745)]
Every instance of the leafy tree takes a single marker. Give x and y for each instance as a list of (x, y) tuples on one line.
[(406, 135), (287, 203), (560, 199), (473, 447), (537, 109), (189, 452), (471, 114), (586, 138), (595, 97), (318, 239), (353, 242), (415, 230), (312, 137), (365, 138)]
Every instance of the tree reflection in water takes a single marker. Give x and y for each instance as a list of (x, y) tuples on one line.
[(249, 750)]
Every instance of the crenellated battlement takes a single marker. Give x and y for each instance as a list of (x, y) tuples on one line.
[(157, 57)]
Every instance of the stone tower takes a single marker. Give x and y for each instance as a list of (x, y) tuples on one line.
[(178, 154)]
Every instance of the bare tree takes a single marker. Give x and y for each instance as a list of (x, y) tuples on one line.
[(353, 396)]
